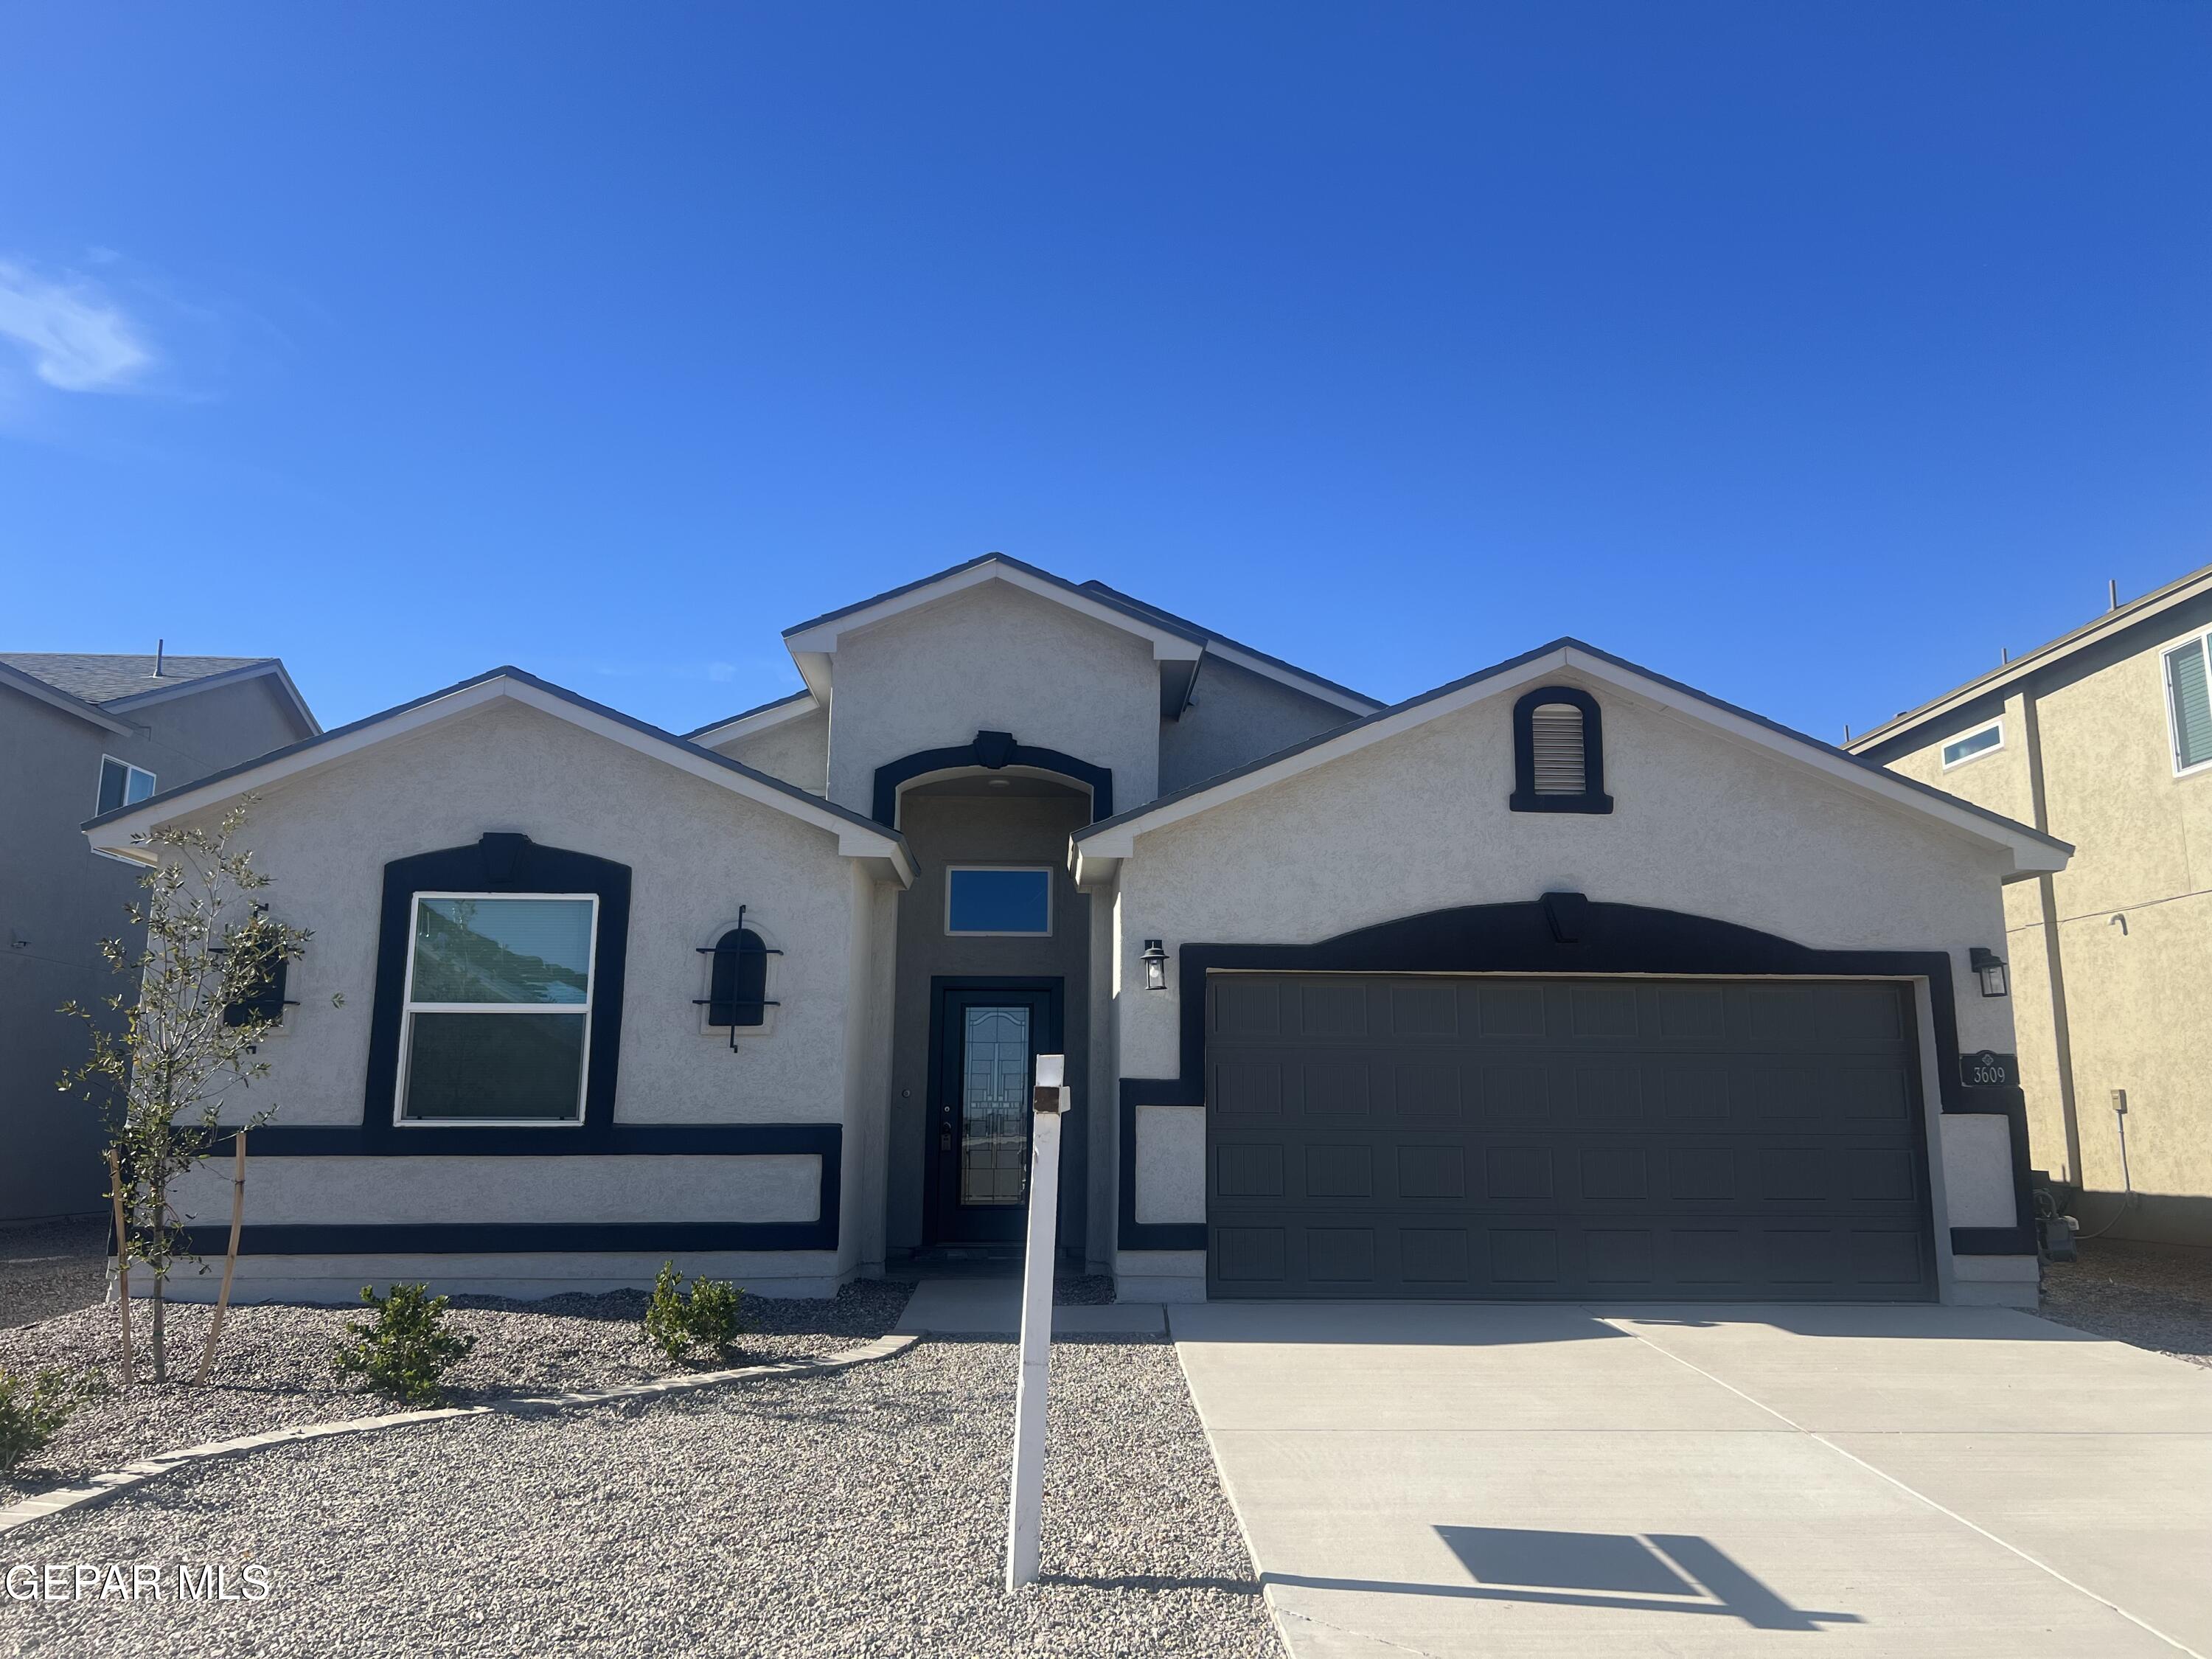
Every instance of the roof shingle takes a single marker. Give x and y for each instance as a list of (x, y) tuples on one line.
[(96, 677)]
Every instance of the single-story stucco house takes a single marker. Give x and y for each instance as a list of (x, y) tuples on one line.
[(1561, 981)]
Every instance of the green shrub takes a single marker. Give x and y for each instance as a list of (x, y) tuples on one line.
[(406, 1350), (33, 1408), (709, 1315)]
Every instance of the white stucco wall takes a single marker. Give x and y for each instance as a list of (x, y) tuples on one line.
[(299, 1191), (1701, 824), (796, 750), (994, 658), (695, 851)]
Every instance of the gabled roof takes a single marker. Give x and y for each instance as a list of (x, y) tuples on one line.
[(857, 837), (1250, 658), (1178, 644), (42, 691), (759, 718), (1175, 646), (1114, 838), (118, 682), (2148, 608)]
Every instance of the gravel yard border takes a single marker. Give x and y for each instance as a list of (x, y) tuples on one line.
[(275, 1372), (38, 1508)]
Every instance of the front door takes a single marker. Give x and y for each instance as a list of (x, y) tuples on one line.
[(986, 1041)]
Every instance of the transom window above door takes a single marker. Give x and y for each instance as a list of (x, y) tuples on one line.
[(498, 1016), (997, 899)]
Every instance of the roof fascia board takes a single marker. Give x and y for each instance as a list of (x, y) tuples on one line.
[(2032, 851), (2147, 608), (1116, 837), (32, 686), (1246, 657), (273, 667), (812, 643), (1321, 690), (857, 837), (765, 718)]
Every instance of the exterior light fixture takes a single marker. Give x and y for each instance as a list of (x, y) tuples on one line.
[(1988, 968), (1156, 966)]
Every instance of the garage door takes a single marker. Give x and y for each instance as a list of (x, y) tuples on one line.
[(1417, 1136)]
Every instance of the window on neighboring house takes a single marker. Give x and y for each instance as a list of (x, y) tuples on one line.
[(1990, 738), (497, 1021), (997, 899), (2189, 706), (1558, 753), (122, 784), (737, 989)]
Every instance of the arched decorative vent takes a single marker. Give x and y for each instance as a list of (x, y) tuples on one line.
[(1558, 753), (737, 997)]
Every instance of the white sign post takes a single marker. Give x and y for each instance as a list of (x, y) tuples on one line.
[(1025, 1501)]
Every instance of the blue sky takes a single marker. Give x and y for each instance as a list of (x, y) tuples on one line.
[(1807, 353)]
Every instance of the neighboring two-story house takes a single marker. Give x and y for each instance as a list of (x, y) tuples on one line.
[(1560, 981), (2103, 738), (81, 735)]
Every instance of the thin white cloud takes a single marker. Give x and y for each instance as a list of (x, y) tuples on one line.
[(75, 338)]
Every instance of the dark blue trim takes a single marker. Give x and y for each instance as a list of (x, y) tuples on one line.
[(499, 1239), (1135, 1234), (2019, 1239), (1524, 798), (824, 1140), (620, 1140), (1612, 939), (991, 751), (499, 863)]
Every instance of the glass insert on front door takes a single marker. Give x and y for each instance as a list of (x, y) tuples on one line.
[(995, 1082)]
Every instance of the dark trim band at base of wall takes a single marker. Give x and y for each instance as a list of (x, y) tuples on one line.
[(825, 1142), (501, 1238)]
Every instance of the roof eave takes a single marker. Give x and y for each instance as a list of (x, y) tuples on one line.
[(2030, 850), (119, 833), (32, 686)]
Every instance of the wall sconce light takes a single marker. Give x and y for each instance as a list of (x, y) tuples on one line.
[(1156, 966), (1988, 968)]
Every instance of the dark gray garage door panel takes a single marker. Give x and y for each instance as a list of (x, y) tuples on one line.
[(1404, 1136)]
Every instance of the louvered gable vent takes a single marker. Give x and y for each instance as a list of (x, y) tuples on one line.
[(1555, 742)]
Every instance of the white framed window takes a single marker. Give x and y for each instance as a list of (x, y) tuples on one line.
[(2189, 706), (496, 1024), (122, 784), (1987, 741), (998, 899)]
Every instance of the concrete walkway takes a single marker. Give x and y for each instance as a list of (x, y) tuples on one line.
[(992, 1307), (1556, 1480)]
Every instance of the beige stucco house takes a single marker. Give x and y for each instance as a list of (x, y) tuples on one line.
[(1560, 981), (2103, 738)]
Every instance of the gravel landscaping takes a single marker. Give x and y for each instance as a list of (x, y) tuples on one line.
[(2155, 1296), (855, 1514), (50, 1268), (273, 1369)]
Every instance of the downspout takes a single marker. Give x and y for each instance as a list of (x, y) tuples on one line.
[(2054, 964)]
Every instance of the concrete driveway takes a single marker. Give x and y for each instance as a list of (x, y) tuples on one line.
[(1555, 1481)]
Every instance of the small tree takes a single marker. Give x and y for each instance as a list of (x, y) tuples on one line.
[(203, 1006)]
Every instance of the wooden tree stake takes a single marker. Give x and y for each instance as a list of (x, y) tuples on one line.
[(122, 1266), (230, 1259)]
